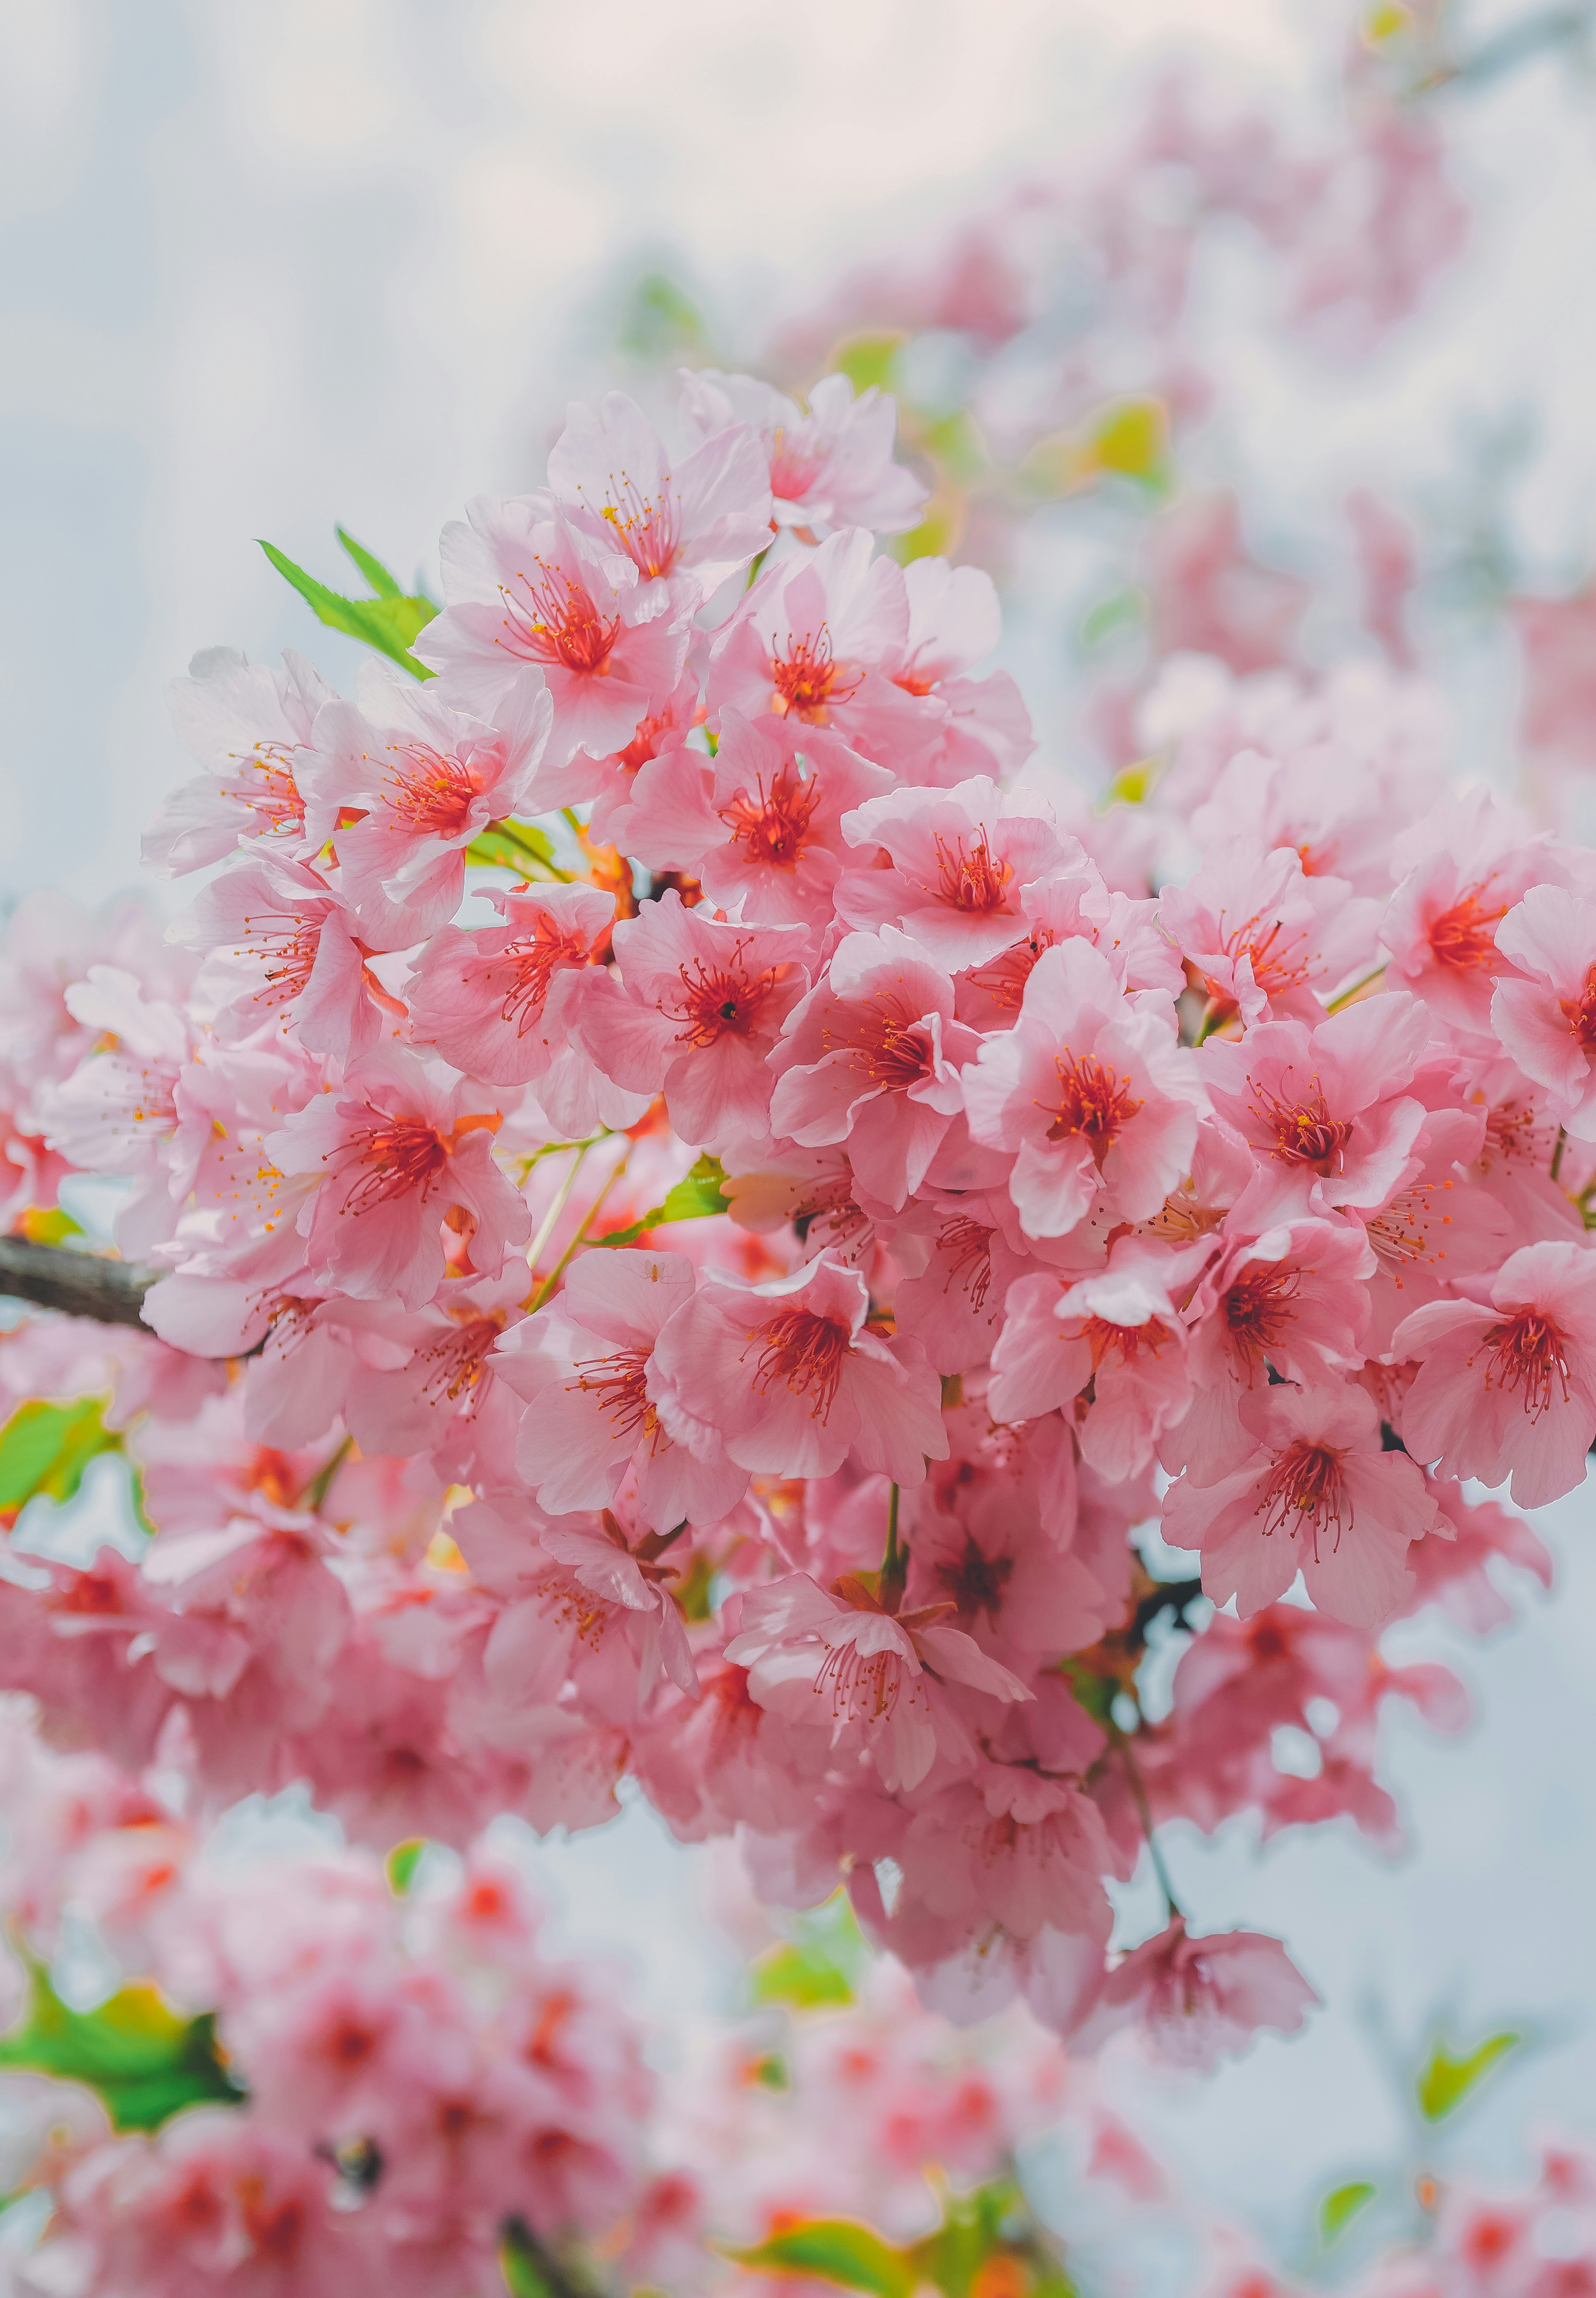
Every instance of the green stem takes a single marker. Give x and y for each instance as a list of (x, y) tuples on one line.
[(1347, 995), (1144, 1809), (320, 1484), (561, 1197), (1556, 1154), (894, 1564), (541, 866), (588, 1219)]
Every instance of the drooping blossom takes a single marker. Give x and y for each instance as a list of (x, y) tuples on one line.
[(1544, 1012), (247, 725), (1202, 1999)]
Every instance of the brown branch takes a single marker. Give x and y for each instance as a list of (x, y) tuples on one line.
[(77, 1283)]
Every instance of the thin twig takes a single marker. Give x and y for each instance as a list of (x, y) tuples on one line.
[(1138, 1796), (77, 1283), (588, 1219), (562, 1196)]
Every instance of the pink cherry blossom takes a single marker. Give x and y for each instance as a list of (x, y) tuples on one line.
[(489, 998), (1313, 1493), (1263, 935), (832, 466), (1459, 871), (1323, 1108), (1507, 1388), (1117, 1335), (760, 825), (813, 642), (803, 1647), (954, 621), (397, 1149), (701, 517), (527, 592), (247, 725), (1545, 1014), (961, 862), (1202, 1999), (786, 1378), (406, 782), (582, 1365), (704, 1008), (1089, 1091), (284, 944), (871, 1058)]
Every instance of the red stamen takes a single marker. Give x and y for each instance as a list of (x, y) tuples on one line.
[(806, 1351), (1257, 1309), (807, 680), (532, 964), (430, 791), (773, 830), (618, 1382), (720, 1001), (558, 622), (1305, 1133), (1464, 937), (973, 882), (399, 1156), (968, 1246), (894, 1052), (1093, 1103), (1528, 1352), (1580, 1011), (1305, 1492)]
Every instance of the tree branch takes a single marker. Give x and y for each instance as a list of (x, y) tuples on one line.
[(79, 1284)]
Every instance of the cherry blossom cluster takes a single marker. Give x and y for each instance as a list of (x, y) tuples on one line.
[(412, 2075), (714, 1295)]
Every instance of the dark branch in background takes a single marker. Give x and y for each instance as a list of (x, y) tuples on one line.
[(79, 1284), (1169, 1596)]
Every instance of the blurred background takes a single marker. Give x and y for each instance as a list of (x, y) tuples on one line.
[(261, 269)]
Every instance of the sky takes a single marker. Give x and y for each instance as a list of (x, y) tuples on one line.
[(265, 268)]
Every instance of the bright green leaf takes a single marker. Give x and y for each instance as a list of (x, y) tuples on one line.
[(389, 623), (1446, 2082), (143, 2057), (383, 584), (834, 2250), (867, 359), (975, 2227), (402, 1864), (45, 1448), (1132, 438), (696, 1197), (47, 1225), (803, 1976), (519, 845), (1337, 2211)]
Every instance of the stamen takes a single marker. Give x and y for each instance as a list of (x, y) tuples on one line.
[(973, 882), (1580, 1011), (976, 1582), (1528, 1352), (807, 680), (1004, 979), (893, 1051), (617, 1382), (968, 1244), (1305, 1133), (1257, 1309), (1093, 1103), (773, 830), (720, 1001), (400, 1156), (430, 791), (1305, 1492), (557, 623), (1464, 937), (532, 964), (806, 1351)]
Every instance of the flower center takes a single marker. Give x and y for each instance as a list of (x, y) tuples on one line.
[(976, 1582), (805, 1350), (893, 1051), (648, 532), (1270, 953), (720, 1001), (531, 966), (271, 791), (619, 1382), (1093, 1103), (557, 622), (793, 465), (972, 881), (432, 793), (807, 680), (398, 1157), (286, 944), (1580, 1011), (865, 1688), (772, 828), (1257, 1309), (1528, 1352), (1126, 1341), (1306, 1492), (455, 1361), (1464, 937), (968, 1246), (1305, 1133)]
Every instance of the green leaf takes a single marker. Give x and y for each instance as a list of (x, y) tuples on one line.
[(975, 2228), (143, 2057), (45, 1448), (696, 1197), (661, 322), (48, 1225), (383, 584), (803, 1976), (389, 623), (834, 2250), (402, 1864), (1337, 2211), (519, 845), (1093, 1692), (1446, 2082), (869, 358)]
